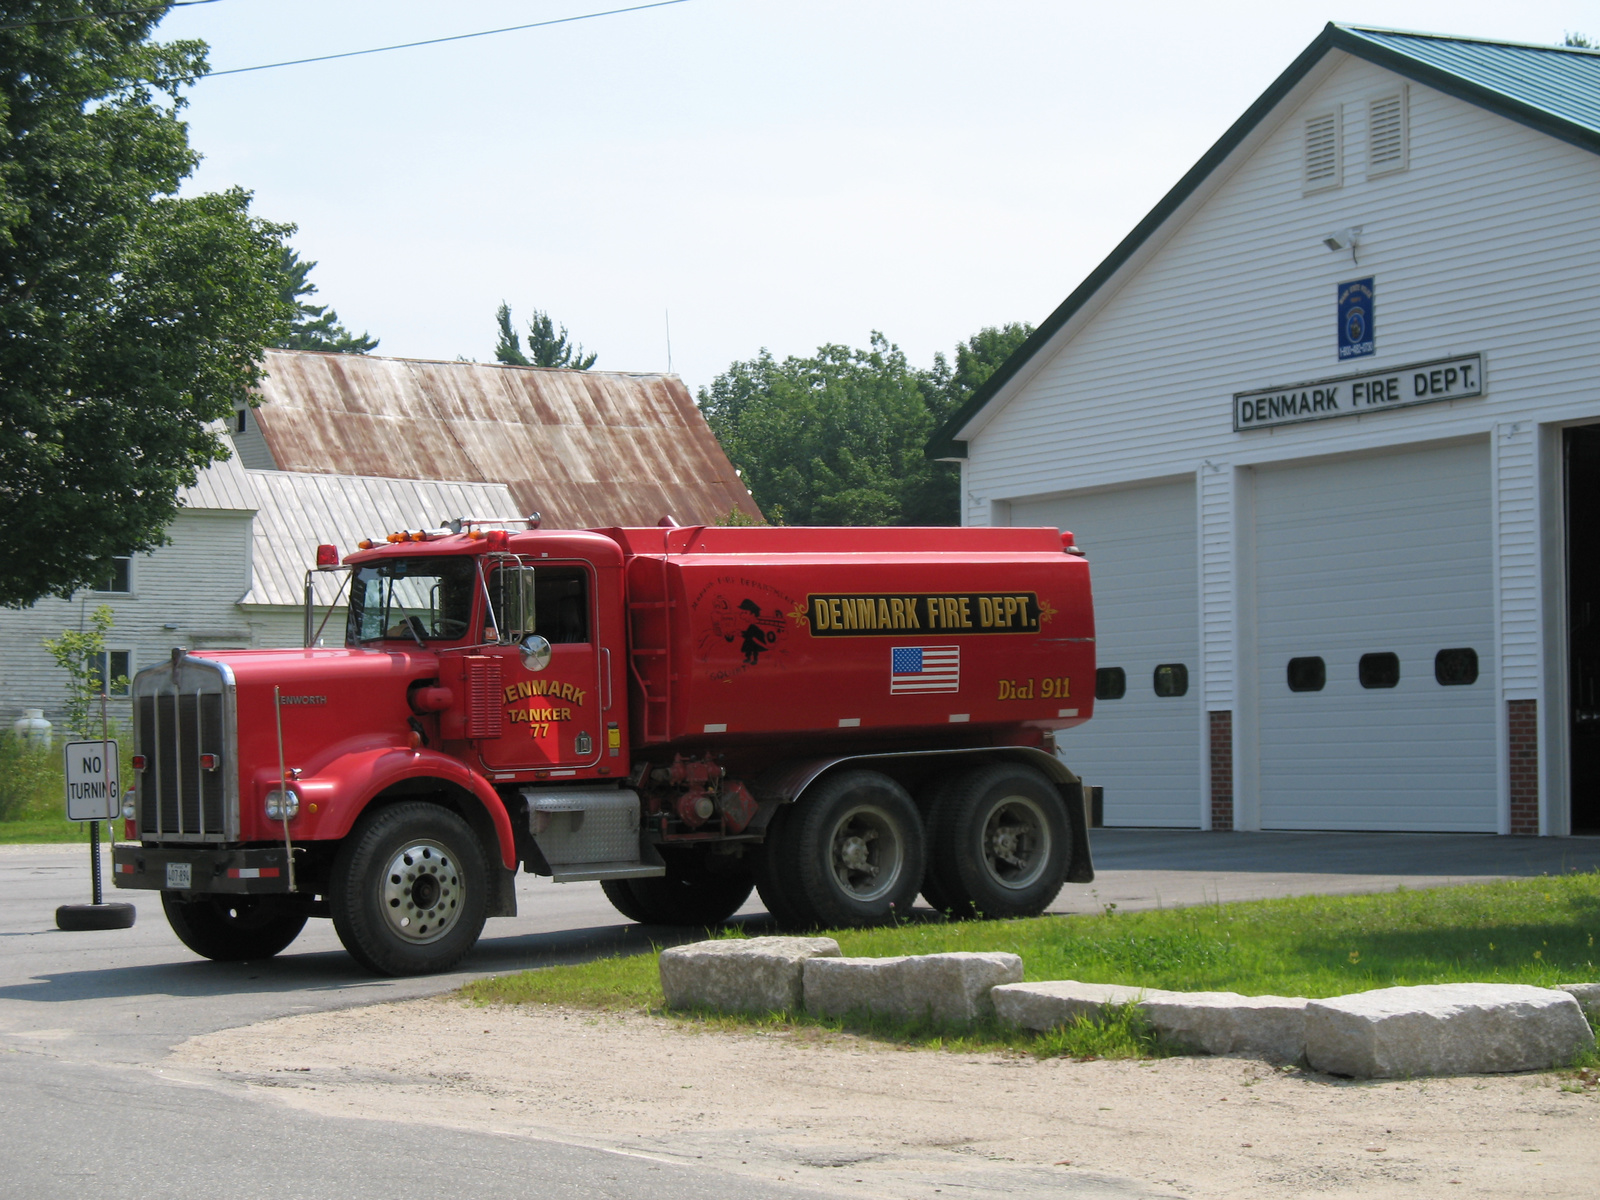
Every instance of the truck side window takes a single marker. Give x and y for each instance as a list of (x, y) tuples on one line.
[(561, 602), (1110, 683)]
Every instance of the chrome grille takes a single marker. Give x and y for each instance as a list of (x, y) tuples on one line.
[(182, 712)]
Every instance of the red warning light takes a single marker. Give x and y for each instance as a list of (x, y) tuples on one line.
[(327, 556)]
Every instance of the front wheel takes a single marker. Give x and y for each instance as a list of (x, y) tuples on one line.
[(852, 853), (1000, 843), (409, 890), (233, 928)]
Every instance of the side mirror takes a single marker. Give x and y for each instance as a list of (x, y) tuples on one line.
[(535, 652)]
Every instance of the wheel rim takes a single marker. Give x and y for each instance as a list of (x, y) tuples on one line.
[(865, 853), (1016, 842), (422, 892)]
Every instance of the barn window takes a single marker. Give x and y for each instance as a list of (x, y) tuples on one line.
[(1381, 670), (1456, 668), (1307, 674), (1324, 151), (116, 576), (1387, 141), (1110, 683), (1172, 679)]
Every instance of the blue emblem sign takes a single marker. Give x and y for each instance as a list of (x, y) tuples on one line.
[(1356, 334)]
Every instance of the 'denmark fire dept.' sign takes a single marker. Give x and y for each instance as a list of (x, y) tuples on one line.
[(1371, 391)]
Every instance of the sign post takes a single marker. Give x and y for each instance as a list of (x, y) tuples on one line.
[(93, 795)]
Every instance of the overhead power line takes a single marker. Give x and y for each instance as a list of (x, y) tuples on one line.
[(110, 12), (458, 37)]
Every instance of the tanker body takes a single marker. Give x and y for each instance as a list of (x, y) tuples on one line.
[(841, 718)]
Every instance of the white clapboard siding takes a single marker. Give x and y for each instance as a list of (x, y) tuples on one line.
[(1489, 241), (193, 584), (1386, 553), (1143, 749)]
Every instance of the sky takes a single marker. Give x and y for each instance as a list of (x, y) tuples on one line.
[(714, 177)]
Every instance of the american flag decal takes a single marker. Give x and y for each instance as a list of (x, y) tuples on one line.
[(924, 669)]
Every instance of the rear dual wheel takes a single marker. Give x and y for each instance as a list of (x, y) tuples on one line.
[(1001, 844), (690, 893), (849, 852)]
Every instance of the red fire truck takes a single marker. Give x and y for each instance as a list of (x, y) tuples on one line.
[(840, 718)]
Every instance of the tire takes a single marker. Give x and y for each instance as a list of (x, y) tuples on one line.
[(852, 852), (233, 928), (775, 894), (409, 890), (1001, 843), (939, 899), (76, 918), (688, 894)]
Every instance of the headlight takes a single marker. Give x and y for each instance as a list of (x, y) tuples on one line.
[(128, 809), (281, 805)]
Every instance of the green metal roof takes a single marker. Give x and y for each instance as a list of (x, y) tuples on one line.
[(1554, 89)]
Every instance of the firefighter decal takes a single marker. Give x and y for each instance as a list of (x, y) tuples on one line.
[(744, 626)]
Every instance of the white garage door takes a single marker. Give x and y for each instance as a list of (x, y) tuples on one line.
[(1143, 749), (1380, 556)]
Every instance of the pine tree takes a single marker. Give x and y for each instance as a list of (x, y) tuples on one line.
[(546, 347), (315, 326)]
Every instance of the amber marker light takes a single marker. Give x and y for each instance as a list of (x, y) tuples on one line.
[(364, 544)]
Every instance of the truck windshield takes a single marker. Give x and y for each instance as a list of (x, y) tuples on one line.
[(415, 599)]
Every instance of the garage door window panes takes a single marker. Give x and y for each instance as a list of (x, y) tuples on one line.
[(1379, 670), (1456, 668), (1172, 679), (1307, 674), (1110, 683)]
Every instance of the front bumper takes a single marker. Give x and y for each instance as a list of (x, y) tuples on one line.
[(199, 869)]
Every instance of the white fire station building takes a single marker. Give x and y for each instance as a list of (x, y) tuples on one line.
[(1327, 424)]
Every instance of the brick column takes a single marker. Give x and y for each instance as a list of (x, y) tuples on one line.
[(1221, 770), (1523, 726)]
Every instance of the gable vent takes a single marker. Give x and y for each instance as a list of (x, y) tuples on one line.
[(1323, 168), (1386, 134)]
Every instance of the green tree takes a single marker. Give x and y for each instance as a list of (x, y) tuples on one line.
[(315, 326), (546, 346), (1579, 41), (834, 439), (131, 320), (81, 653), (837, 438)]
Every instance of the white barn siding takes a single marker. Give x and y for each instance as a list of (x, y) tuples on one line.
[(195, 584)]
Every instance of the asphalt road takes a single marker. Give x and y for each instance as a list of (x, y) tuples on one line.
[(85, 1019)]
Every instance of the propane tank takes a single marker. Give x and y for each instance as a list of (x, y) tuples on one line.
[(32, 728)]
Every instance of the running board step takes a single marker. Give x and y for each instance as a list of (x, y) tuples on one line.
[(578, 872)]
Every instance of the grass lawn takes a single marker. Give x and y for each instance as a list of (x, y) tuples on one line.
[(33, 792), (1540, 931)]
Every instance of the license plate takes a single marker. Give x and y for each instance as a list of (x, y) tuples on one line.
[(178, 875)]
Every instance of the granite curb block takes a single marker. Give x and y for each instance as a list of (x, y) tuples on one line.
[(1588, 997), (751, 975), (946, 987), (1445, 1029), (1269, 1027)]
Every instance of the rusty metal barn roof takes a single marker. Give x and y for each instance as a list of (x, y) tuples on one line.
[(583, 448)]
